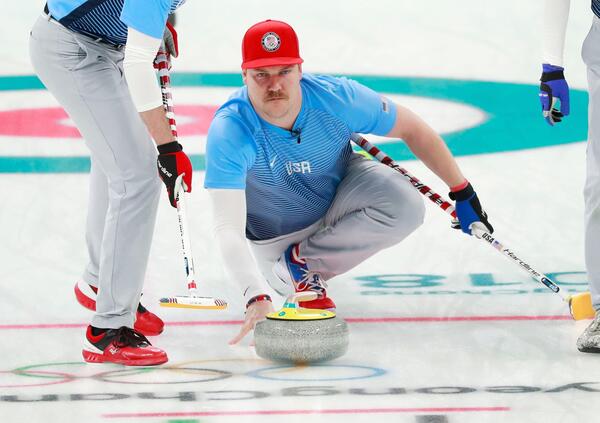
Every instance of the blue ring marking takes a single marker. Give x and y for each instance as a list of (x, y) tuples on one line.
[(77, 164), (513, 121), (376, 372)]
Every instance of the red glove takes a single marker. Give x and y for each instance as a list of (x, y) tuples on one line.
[(169, 46), (173, 162)]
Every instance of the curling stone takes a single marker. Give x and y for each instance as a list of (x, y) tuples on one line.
[(301, 335)]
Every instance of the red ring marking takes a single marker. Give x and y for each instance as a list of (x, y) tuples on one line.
[(175, 414), (67, 378), (47, 122)]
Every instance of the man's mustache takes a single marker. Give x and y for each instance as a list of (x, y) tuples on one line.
[(272, 95)]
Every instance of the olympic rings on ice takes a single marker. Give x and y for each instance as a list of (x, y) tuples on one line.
[(198, 371)]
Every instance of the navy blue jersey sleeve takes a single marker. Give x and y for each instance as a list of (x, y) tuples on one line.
[(230, 153)]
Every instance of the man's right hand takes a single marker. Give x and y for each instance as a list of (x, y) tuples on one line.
[(554, 86), (169, 46), (468, 210), (255, 312), (171, 163)]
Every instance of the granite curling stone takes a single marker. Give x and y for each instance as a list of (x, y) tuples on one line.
[(299, 335)]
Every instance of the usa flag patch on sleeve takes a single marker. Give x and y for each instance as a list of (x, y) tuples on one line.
[(385, 105)]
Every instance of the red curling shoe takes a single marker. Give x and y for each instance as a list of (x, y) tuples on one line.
[(122, 346), (292, 270), (146, 322)]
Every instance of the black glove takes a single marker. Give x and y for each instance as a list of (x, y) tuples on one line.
[(173, 162), (468, 210)]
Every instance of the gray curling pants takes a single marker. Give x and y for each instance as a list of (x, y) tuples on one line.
[(86, 77), (374, 208), (591, 57)]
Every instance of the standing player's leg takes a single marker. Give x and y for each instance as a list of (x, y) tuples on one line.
[(86, 290), (589, 341), (96, 216), (87, 79)]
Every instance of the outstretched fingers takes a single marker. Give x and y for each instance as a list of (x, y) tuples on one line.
[(246, 327)]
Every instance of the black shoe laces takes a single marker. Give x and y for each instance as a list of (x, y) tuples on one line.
[(127, 337)]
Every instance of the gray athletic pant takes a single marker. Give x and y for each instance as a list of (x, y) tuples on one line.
[(374, 208), (591, 57), (86, 77)]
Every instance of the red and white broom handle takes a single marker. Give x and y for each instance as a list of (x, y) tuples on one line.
[(421, 187), (186, 245), (445, 205), (164, 75)]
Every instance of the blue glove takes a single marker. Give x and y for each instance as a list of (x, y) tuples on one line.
[(468, 210), (554, 86)]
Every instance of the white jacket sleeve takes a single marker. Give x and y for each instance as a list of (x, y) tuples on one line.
[(556, 16), (140, 52), (229, 210)]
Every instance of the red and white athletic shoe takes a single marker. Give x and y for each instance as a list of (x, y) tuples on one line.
[(292, 270), (146, 322), (121, 346)]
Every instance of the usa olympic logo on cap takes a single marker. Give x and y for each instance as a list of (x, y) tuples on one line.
[(271, 42)]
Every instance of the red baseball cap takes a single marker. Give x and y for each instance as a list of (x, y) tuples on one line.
[(270, 43)]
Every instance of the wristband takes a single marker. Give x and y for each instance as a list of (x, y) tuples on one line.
[(170, 147), (552, 76), (464, 194), (460, 186), (263, 297)]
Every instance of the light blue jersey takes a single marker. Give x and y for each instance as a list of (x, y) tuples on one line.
[(109, 19), (291, 177)]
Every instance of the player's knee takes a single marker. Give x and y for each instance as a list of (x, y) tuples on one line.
[(418, 206), (144, 180), (152, 185), (409, 210), (135, 181), (146, 169)]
